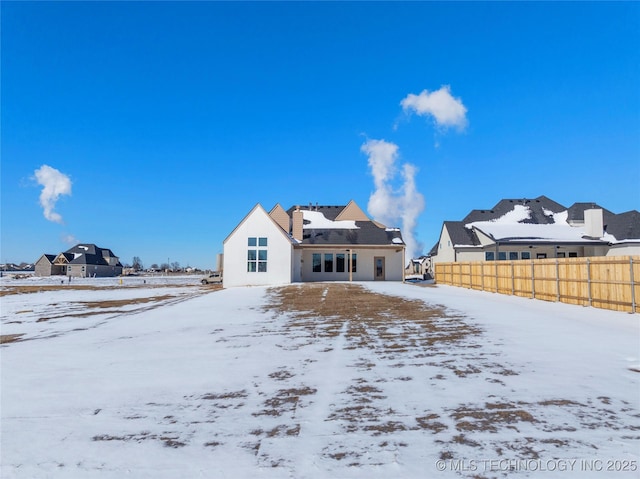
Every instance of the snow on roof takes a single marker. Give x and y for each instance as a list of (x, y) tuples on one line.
[(319, 221), (397, 241), (510, 226)]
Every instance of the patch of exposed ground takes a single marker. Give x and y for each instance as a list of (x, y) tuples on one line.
[(10, 338), (392, 343)]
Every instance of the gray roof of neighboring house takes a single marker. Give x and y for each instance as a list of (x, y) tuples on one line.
[(460, 235), (90, 254), (576, 212), (536, 206), (625, 226), (49, 257)]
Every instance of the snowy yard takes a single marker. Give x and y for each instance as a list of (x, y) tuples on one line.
[(325, 380)]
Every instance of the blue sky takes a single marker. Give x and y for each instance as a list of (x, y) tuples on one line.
[(172, 120)]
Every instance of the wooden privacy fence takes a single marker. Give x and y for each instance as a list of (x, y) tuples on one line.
[(602, 282)]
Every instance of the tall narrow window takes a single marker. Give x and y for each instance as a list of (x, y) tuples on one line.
[(340, 263), (328, 263), (252, 256), (257, 255), (513, 255), (262, 261), (525, 255), (317, 262), (489, 256)]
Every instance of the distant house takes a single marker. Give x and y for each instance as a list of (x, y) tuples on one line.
[(419, 268), (314, 243), (83, 260), (517, 229)]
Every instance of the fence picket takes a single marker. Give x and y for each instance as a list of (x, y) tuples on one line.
[(603, 282)]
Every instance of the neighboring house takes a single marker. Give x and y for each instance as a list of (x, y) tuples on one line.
[(419, 268), (516, 229), (83, 260), (315, 243)]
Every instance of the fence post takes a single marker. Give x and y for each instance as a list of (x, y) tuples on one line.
[(513, 281), (470, 276), (533, 281), (557, 281), (633, 286), (589, 280)]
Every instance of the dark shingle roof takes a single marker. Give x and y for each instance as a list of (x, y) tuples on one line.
[(576, 212), (536, 206), (366, 234), (624, 226), (86, 253), (460, 235), (329, 212)]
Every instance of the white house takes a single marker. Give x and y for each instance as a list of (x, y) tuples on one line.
[(314, 243), (517, 229)]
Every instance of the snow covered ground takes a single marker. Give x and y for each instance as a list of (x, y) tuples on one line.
[(314, 381)]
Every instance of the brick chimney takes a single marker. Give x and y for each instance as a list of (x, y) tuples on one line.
[(296, 231)]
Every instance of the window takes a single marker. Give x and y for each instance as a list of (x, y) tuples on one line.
[(257, 255), (317, 262), (489, 256), (513, 255), (262, 261), (560, 254), (502, 255), (525, 255), (354, 262), (573, 254), (340, 263), (541, 255), (328, 263), (252, 256)]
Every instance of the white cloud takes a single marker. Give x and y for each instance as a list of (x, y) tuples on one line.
[(386, 205), (446, 110), (55, 184), (69, 239)]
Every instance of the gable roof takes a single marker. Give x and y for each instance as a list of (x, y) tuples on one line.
[(48, 257), (258, 208), (460, 235), (352, 212)]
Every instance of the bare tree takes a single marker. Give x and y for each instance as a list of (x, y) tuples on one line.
[(137, 263)]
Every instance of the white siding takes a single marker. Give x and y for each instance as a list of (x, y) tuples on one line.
[(257, 224)]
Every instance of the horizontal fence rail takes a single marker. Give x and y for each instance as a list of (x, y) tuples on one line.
[(601, 282)]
